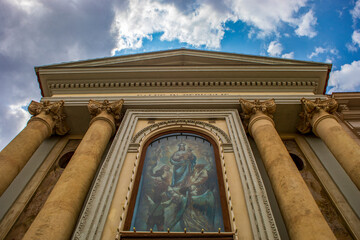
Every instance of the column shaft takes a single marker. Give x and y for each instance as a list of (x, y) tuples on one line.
[(300, 211), (343, 147), (18, 152), (59, 214)]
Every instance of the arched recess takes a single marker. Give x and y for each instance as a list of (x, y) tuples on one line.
[(180, 169), (217, 134)]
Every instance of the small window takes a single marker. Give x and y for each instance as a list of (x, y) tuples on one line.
[(65, 159), (180, 186), (298, 162)]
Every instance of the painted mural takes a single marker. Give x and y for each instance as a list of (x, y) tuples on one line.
[(178, 187)]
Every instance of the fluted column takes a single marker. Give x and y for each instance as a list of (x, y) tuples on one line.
[(59, 214), (301, 214), (47, 117), (318, 116)]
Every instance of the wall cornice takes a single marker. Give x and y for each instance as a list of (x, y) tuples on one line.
[(190, 85), (181, 100), (264, 78), (211, 68)]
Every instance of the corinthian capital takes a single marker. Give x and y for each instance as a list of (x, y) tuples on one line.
[(267, 107), (114, 108), (310, 108), (54, 110), (249, 109)]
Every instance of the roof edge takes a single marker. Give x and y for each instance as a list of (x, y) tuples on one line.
[(179, 50)]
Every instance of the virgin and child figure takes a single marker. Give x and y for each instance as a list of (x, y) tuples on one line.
[(188, 201)]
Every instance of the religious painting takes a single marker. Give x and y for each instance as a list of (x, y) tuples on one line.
[(179, 186)]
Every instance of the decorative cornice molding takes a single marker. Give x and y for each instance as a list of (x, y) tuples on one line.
[(55, 110), (225, 140), (310, 108), (212, 100), (148, 84), (205, 55)]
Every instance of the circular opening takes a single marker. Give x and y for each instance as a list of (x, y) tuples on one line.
[(298, 162), (64, 160)]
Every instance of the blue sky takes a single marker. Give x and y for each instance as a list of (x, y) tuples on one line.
[(41, 32)]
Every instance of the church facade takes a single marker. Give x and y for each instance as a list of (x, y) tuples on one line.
[(184, 144)]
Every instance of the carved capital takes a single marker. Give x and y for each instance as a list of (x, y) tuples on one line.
[(249, 109), (114, 109), (54, 110), (310, 109)]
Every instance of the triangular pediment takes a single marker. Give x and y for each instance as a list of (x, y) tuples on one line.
[(181, 69), (182, 57)]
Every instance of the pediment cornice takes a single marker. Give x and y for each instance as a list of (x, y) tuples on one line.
[(181, 57), (179, 70)]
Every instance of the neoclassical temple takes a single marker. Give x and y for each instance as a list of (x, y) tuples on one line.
[(184, 144)]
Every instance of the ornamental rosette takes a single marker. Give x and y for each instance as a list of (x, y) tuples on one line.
[(55, 110), (309, 108)]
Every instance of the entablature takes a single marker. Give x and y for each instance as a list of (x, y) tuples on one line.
[(285, 118)]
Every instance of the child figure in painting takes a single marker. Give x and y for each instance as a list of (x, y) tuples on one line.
[(156, 217)]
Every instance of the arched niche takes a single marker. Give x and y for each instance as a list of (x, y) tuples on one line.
[(179, 184)]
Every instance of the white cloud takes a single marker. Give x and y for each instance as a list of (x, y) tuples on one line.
[(351, 47), (274, 49), (347, 79), (306, 25), (202, 22), (15, 119), (27, 6), (356, 11), (288, 55), (258, 13), (17, 111), (356, 37), (204, 26), (317, 51), (330, 53), (286, 35)]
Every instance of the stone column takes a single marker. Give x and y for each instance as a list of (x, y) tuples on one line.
[(58, 217), (318, 116), (47, 117), (301, 214)]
